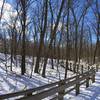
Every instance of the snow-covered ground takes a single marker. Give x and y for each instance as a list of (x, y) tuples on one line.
[(90, 93), (13, 81)]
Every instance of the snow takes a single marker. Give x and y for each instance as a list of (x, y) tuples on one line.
[(12, 81), (90, 93)]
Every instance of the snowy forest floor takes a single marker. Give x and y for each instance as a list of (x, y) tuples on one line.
[(12, 81), (90, 93)]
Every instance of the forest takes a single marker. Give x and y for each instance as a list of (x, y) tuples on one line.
[(37, 36)]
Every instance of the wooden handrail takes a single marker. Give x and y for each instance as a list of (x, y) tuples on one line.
[(53, 88)]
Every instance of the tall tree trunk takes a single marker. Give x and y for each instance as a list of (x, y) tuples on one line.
[(67, 38), (23, 5), (81, 41), (52, 38), (42, 38)]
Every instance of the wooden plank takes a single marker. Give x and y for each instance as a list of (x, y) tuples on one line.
[(32, 90), (53, 86), (25, 92), (71, 83), (52, 91), (55, 98), (70, 90), (77, 85), (83, 82), (61, 92), (42, 95)]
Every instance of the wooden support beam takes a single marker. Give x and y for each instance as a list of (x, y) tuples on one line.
[(77, 85), (61, 92)]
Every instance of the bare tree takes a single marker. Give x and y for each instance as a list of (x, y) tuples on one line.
[(53, 34), (43, 30)]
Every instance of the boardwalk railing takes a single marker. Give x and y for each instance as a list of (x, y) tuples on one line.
[(54, 91), (79, 68)]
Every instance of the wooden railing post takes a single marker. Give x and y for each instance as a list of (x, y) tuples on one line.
[(96, 68), (29, 94), (77, 68), (82, 69), (77, 85), (87, 80), (74, 68), (88, 68), (93, 76), (62, 91), (70, 66)]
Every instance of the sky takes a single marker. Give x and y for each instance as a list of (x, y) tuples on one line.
[(8, 8), (10, 1)]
